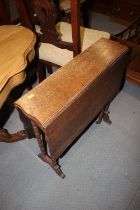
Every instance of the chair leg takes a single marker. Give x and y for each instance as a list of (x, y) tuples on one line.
[(85, 13), (41, 70), (31, 74), (49, 68)]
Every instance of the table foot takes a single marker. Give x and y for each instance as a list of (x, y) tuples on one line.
[(104, 115), (6, 137), (53, 164)]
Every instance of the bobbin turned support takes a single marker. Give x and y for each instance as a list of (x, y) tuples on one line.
[(43, 155)]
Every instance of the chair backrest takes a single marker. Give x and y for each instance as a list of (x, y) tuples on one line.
[(44, 13)]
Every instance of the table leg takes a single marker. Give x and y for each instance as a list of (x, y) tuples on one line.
[(6, 137), (44, 156), (104, 115)]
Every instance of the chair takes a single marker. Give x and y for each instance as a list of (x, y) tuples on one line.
[(58, 42), (131, 38)]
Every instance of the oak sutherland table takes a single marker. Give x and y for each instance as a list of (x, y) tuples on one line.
[(16, 51), (62, 106)]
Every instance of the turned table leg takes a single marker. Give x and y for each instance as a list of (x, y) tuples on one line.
[(44, 156)]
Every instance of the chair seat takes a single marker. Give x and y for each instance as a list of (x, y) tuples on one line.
[(65, 5), (60, 57)]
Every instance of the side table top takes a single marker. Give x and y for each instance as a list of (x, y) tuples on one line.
[(16, 42), (66, 85)]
